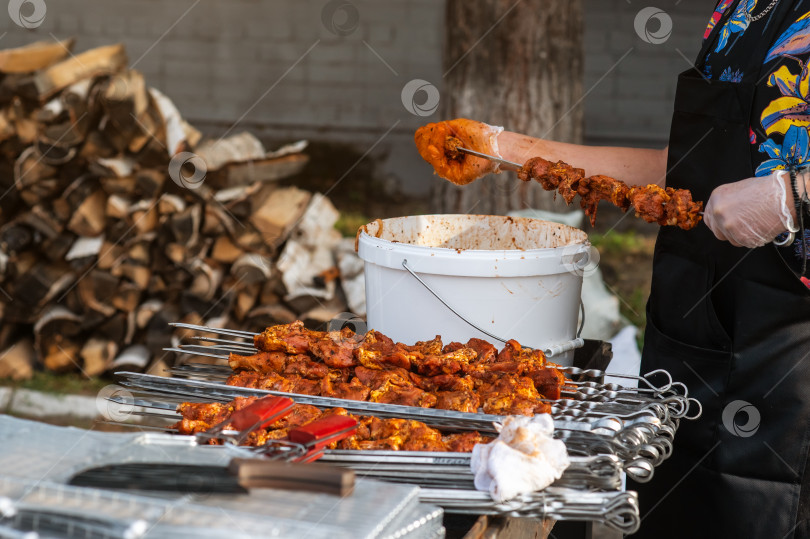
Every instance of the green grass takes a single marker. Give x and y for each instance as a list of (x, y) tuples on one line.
[(626, 262), (618, 243), (349, 222), (66, 383)]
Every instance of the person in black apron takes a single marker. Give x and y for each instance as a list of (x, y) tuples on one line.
[(730, 322), (729, 312)]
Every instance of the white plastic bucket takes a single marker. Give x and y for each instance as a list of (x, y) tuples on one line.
[(513, 277)]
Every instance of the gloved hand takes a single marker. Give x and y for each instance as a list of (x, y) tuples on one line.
[(459, 168), (752, 212)]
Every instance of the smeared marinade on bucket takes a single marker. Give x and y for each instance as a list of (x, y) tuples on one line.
[(445, 144)]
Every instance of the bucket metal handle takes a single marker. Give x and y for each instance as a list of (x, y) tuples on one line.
[(551, 351)]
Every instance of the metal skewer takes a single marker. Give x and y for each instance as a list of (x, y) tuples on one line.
[(490, 157)]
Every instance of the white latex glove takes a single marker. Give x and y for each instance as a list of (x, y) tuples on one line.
[(752, 212)]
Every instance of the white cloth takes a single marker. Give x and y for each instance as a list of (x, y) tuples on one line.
[(524, 458)]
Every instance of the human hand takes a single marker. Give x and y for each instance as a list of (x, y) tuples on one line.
[(751, 212), (459, 168)]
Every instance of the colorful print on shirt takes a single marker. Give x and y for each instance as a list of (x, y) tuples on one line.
[(716, 16), (781, 115), (737, 23)]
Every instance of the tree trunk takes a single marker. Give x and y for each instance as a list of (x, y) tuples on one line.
[(517, 65)]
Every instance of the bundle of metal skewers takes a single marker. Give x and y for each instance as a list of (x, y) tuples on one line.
[(607, 428), (588, 489)]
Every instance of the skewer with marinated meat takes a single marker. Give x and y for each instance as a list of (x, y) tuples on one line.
[(372, 367), (439, 145), (372, 432), (654, 204)]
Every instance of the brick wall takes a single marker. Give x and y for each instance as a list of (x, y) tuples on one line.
[(283, 69), (631, 83)]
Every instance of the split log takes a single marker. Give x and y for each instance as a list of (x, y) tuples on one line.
[(125, 100), (97, 356), (137, 274), (29, 171), (185, 225), (89, 218), (269, 315), (170, 204), (100, 61), (15, 237), (58, 248), (17, 362), (149, 183), (147, 311), (245, 300), (110, 255), (224, 250), (217, 222), (54, 339), (127, 297), (115, 328), (40, 284), (301, 266), (259, 170), (118, 207), (92, 226), (116, 167), (133, 358), (251, 268), (279, 213), (178, 134), (85, 247), (33, 57), (236, 148), (144, 216), (207, 278), (96, 290), (316, 227), (42, 221)]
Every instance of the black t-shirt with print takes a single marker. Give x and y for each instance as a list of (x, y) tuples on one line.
[(781, 113)]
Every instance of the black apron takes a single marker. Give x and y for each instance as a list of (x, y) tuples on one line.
[(734, 325)]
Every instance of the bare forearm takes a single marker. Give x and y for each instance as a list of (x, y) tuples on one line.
[(634, 166)]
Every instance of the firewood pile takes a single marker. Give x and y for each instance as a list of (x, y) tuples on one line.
[(117, 217)]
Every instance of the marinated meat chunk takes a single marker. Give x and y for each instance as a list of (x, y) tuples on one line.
[(408, 395), (354, 390), (303, 366), (291, 338), (460, 401), (465, 441), (336, 348), (261, 362)]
